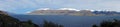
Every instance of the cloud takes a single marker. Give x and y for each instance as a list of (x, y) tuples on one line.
[(17, 5), (22, 6)]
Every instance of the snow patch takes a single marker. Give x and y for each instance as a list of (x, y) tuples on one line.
[(28, 12), (90, 10), (73, 9), (43, 9)]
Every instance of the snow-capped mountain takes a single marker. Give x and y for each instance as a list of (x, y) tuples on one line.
[(48, 11), (71, 11)]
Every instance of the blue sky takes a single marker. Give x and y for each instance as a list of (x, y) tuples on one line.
[(23, 6)]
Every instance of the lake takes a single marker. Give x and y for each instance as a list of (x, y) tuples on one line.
[(67, 21)]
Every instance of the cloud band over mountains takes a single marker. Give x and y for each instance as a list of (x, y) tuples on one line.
[(22, 6)]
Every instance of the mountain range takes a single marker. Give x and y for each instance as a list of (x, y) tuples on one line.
[(69, 11)]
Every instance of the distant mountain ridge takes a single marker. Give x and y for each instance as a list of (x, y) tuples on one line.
[(68, 11)]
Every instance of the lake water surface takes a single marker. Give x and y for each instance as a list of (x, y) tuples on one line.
[(67, 21)]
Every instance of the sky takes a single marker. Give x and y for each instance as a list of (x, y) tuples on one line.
[(23, 6)]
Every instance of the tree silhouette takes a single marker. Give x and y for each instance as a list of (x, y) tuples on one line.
[(30, 21), (114, 23), (94, 25), (51, 24)]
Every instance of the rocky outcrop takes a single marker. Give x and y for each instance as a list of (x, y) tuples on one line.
[(2, 12)]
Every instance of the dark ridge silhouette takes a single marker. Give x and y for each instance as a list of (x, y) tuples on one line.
[(114, 23), (8, 21)]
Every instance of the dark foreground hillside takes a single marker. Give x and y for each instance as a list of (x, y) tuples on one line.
[(8, 21)]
